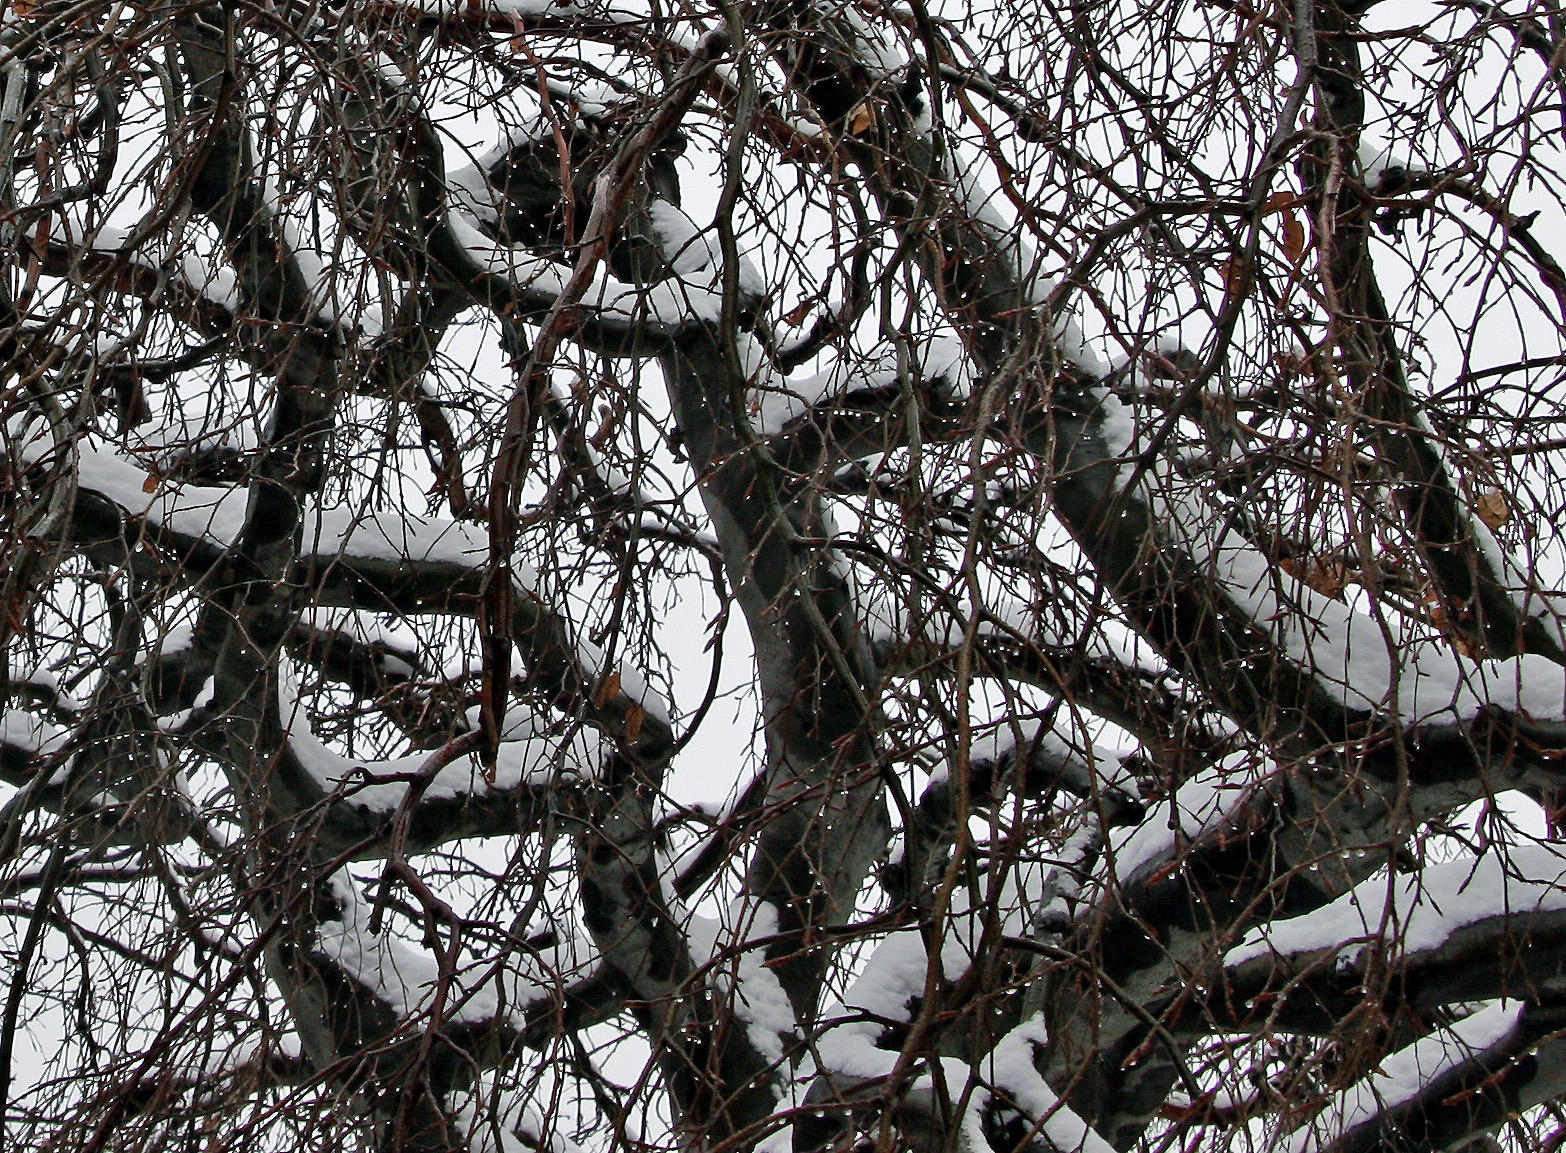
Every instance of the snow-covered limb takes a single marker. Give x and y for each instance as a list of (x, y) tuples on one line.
[(530, 756), (215, 516), (407, 978), (1487, 1068), (1385, 171), (732, 947), (372, 561), (574, 14), (1419, 912), (943, 626), (25, 741), (525, 284), (1463, 931), (1011, 1072), (1003, 1089), (1197, 809), (1008, 760), (934, 364), (1380, 662)]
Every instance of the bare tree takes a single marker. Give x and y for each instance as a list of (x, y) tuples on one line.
[(782, 576)]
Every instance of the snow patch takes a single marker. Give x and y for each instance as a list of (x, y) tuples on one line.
[(1401, 1076), (1197, 808), (1419, 911), (531, 755), (22, 730), (1010, 1068)]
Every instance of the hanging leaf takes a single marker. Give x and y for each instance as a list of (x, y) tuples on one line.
[(1293, 238), (1328, 577), (1233, 273), (611, 688), (633, 723), (862, 118), (1493, 508)]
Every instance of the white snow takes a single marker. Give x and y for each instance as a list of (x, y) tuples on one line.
[(218, 515), (633, 685), (177, 638), (1420, 911), (886, 618), (22, 730), (208, 278), (1117, 425), (404, 977), (1377, 162), (1390, 664), (689, 248), (881, 56), (1402, 1075), (1010, 1067), (980, 205), (896, 973), (669, 303), (1196, 809), (532, 755), (740, 971), (560, 9), (45, 680)]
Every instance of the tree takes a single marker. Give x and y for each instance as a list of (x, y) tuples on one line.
[(781, 576)]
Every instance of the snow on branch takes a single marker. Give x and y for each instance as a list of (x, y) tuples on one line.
[(1011, 1071), (944, 626), (1417, 913), (216, 516), (407, 978), (850, 1060), (210, 280), (1383, 663), (1447, 1067), (693, 295), (733, 945), (531, 755), (934, 361), (1202, 806), (595, 10), (24, 740)]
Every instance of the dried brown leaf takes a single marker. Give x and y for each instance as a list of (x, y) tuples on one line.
[(1493, 508), (1293, 238)]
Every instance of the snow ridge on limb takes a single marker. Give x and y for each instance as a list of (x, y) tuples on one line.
[(1454, 1082), (1011, 1072), (530, 755), (733, 946), (409, 979), (1456, 932), (537, 283), (935, 363), (216, 515), (856, 1057), (1382, 663), (1199, 808)]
